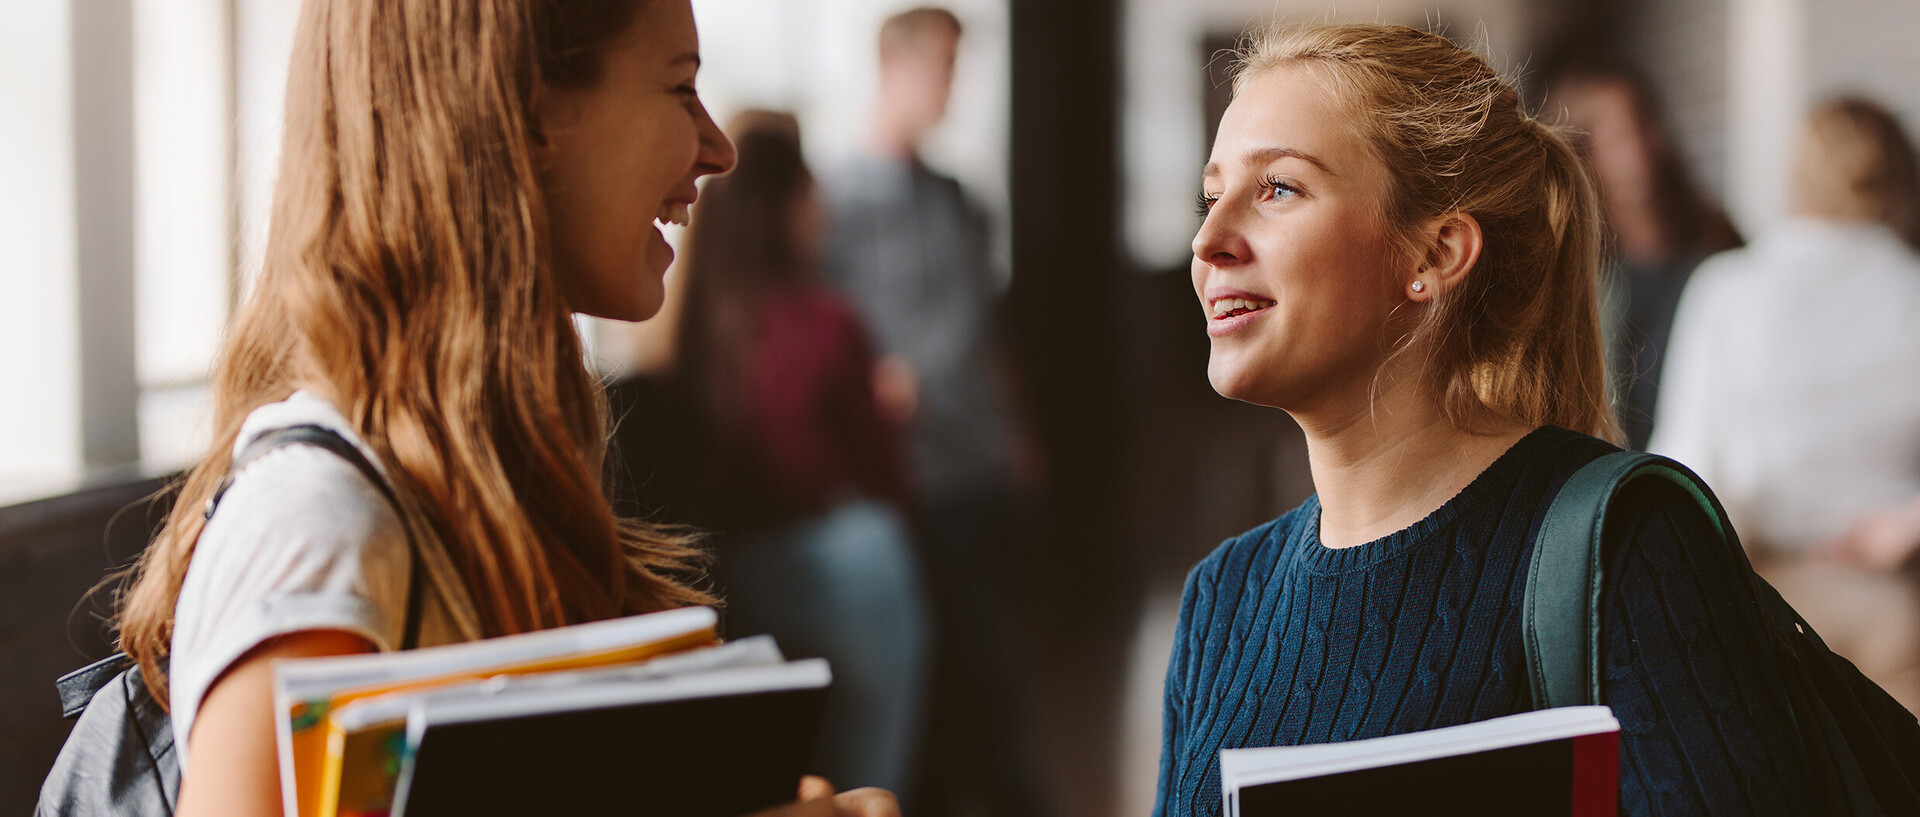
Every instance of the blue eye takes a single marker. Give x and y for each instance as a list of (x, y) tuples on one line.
[(1277, 189)]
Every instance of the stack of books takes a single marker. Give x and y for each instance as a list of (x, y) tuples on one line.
[(1562, 761), (645, 714)]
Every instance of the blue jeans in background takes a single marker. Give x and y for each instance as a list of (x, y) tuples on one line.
[(845, 586)]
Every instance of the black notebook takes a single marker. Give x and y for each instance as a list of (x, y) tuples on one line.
[(1553, 762), (722, 744)]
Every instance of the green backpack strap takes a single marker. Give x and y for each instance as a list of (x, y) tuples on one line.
[(1560, 613), (1561, 619)]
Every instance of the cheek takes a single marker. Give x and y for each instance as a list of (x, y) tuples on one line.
[(672, 145)]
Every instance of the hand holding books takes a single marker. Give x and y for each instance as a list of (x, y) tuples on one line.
[(817, 799), (607, 717)]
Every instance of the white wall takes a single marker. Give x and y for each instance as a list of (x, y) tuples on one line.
[(819, 60), (1766, 98), (39, 292), (1683, 49), (184, 166), (263, 48), (1738, 75)]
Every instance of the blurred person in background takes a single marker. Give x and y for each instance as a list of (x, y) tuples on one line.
[(1793, 384), (912, 251), (1660, 224), (799, 472)]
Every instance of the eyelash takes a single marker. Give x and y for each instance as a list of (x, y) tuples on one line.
[(1274, 183), (1204, 203)]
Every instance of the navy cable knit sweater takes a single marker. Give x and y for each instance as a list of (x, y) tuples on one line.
[(1284, 641)]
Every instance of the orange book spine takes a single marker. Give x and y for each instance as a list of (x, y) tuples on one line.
[(316, 739)]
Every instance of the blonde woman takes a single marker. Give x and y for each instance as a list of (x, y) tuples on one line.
[(458, 179), (1396, 255)]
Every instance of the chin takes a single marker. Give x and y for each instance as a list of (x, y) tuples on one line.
[(1230, 381), (1255, 382)]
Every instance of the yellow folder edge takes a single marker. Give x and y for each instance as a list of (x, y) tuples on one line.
[(317, 748)]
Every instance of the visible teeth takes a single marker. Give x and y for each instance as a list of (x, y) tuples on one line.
[(1227, 305), (672, 213)]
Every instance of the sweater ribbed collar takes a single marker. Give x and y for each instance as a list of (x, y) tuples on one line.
[(1495, 480)]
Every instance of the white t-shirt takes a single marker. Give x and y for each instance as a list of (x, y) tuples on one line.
[(301, 541), (1792, 381)]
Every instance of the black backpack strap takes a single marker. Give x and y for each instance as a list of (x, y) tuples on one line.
[(1560, 613), (325, 438), (77, 688)]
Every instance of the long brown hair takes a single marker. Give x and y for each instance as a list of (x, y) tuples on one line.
[(1519, 341), (409, 279), (1690, 224)]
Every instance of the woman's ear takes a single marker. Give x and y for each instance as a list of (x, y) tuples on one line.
[(1452, 244)]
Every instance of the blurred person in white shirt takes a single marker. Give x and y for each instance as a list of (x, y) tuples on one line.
[(1792, 385), (1793, 376)]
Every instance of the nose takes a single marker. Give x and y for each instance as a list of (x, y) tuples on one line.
[(716, 150), (1219, 242)]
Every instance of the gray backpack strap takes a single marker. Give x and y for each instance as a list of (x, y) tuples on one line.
[(78, 687), (119, 759), (1560, 613)]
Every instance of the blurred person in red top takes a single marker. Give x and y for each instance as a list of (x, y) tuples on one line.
[(778, 364), (795, 466)]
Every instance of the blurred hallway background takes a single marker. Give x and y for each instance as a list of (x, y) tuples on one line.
[(138, 157)]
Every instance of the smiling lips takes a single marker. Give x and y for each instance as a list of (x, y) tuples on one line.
[(1235, 307)]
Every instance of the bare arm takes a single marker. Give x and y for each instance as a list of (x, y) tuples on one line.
[(236, 769)]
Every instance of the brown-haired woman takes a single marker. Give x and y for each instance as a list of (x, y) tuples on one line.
[(457, 180), (1403, 260), (1659, 223)]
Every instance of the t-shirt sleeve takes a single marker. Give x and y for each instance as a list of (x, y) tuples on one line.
[(1689, 670), (301, 541)]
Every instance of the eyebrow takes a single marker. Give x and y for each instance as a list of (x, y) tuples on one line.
[(1268, 155), (690, 56)]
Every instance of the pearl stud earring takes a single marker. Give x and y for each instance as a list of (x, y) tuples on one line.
[(1419, 286)]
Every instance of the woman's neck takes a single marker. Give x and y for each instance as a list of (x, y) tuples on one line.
[(1381, 470)]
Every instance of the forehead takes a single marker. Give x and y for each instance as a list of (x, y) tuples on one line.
[(1288, 109), (662, 32)]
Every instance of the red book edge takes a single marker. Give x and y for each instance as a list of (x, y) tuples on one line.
[(1596, 775)]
